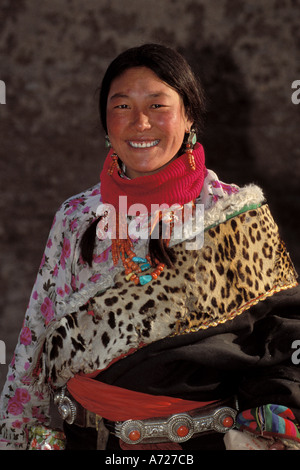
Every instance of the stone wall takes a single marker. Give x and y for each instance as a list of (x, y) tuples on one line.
[(52, 58)]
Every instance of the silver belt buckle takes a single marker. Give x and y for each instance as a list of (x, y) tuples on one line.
[(66, 407), (176, 428)]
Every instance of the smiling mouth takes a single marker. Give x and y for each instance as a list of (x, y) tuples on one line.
[(143, 145)]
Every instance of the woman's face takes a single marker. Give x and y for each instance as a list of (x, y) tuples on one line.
[(146, 121)]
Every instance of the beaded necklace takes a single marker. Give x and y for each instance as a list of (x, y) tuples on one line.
[(134, 265)]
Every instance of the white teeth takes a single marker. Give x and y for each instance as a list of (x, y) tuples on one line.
[(142, 145)]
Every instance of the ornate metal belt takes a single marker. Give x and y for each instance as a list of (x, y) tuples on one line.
[(176, 428)]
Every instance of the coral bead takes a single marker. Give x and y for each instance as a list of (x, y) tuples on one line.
[(134, 435), (182, 431), (227, 422)]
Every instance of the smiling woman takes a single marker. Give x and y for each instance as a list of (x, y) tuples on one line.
[(153, 342)]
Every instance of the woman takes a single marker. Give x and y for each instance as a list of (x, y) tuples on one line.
[(153, 326)]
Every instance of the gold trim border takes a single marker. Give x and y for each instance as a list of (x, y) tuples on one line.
[(239, 311)]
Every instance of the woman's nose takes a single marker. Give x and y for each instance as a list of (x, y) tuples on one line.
[(141, 121)]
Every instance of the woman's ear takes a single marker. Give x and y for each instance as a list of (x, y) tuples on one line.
[(189, 125)]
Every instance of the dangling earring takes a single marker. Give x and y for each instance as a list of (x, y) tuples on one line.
[(114, 157), (107, 142), (192, 139), (114, 164)]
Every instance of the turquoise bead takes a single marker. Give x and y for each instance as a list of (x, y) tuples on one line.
[(145, 266), (136, 259), (145, 279)]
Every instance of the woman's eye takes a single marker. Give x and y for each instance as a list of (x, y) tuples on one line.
[(156, 106), (122, 106)]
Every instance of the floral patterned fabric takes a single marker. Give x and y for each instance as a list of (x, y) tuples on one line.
[(61, 274), (63, 283)]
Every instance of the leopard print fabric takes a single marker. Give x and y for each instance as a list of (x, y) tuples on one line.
[(242, 261)]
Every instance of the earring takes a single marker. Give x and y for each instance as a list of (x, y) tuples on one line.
[(192, 139), (114, 164), (114, 157), (107, 142)]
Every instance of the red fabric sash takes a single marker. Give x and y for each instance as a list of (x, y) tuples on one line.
[(119, 404)]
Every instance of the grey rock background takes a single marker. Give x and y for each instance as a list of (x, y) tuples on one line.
[(52, 58)]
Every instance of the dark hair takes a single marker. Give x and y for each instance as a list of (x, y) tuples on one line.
[(173, 69)]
